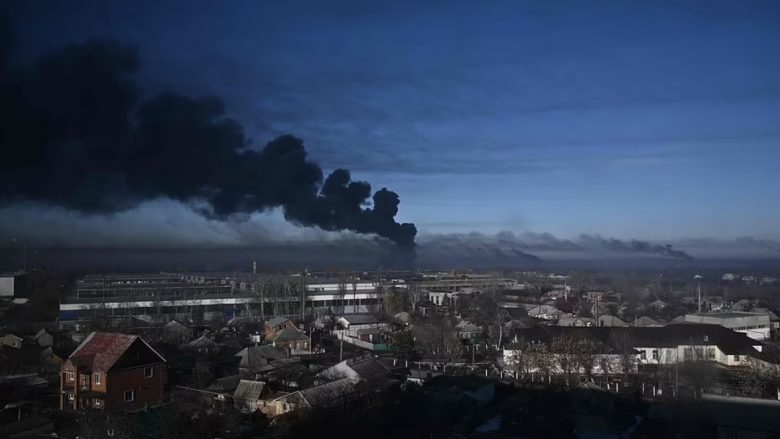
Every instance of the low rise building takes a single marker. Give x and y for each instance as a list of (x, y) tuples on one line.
[(754, 325), (112, 371)]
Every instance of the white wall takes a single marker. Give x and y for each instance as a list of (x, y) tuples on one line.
[(7, 286)]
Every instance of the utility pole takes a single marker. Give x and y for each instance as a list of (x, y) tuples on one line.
[(341, 347), (698, 287), (303, 295)]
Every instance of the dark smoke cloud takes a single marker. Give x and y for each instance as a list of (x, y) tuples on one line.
[(77, 135), (631, 246), (471, 250), (763, 244), (508, 243)]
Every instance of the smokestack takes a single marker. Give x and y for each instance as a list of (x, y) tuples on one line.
[(254, 267)]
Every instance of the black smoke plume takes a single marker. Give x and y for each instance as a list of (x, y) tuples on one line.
[(76, 134), (632, 246), (508, 243)]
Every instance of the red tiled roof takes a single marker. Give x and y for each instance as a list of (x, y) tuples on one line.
[(100, 350)]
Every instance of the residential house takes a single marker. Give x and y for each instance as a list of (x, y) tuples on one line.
[(224, 386), (277, 324), (112, 371), (352, 324), (44, 338), (365, 369), (331, 394), (253, 358), (11, 340), (671, 344), (294, 341), (249, 394), (569, 320), (645, 322), (202, 344), (467, 330), (610, 320), (540, 311)]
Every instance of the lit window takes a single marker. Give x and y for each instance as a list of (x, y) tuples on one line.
[(71, 376), (97, 378), (129, 395), (110, 432), (148, 372)]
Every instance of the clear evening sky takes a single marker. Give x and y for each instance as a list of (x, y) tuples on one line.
[(649, 120)]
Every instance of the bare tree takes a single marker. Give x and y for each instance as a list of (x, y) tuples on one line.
[(437, 339), (540, 358), (585, 351), (415, 295), (760, 379), (623, 343), (564, 349)]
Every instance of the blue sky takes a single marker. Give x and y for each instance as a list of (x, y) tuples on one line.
[(649, 120)]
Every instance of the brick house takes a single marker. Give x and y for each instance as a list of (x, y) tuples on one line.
[(277, 324), (112, 371)]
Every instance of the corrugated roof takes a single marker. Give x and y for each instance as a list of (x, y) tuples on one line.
[(325, 394), (249, 390)]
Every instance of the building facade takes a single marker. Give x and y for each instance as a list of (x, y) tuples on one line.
[(113, 372), (755, 325)]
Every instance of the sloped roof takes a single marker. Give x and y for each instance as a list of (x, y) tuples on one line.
[(257, 356), (327, 393), (202, 342), (225, 384), (175, 325), (249, 390), (101, 350), (368, 368), (645, 321), (276, 321), (288, 334), (680, 334), (610, 320), (361, 319)]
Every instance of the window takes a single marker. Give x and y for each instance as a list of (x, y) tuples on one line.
[(71, 397), (643, 354), (655, 354), (710, 353), (736, 358), (129, 395), (97, 378), (110, 432), (71, 376), (148, 372)]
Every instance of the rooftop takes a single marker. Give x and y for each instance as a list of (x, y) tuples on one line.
[(728, 314)]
